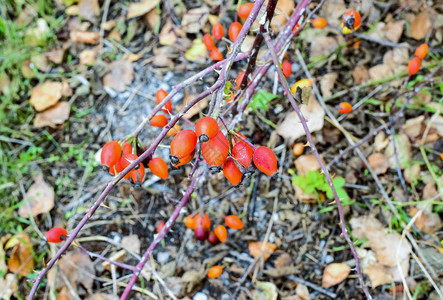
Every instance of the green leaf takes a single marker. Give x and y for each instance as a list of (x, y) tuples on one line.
[(261, 100)]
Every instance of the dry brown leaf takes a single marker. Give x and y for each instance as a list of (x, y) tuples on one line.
[(327, 83), (379, 163), (131, 242), (283, 260), (194, 19), (412, 174), (265, 291), (380, 141), (386, 246), (306, 163), (21, 260), (377, 275), (77, 267), (413, 126), (334, 274), (137, 9), (53, 116), (283, 10), (323, 45), (379, 72), (196, 109), (41, 62), (109, 25), (403, 147), (420, 26), (291, 127), (255, 249), (4, 83), (121, 73), (46, 95), (3, 267), (88, 9), (56, 55), (87, 56), (118, 256), (152, 18), (167, 36), (360, 74), (132, 57), (436, 122), (86, 37), (9, 287), (427, 221), (102, 296), (397, 59), (302, 292), (393, 31), (39, 198), (333, 11)]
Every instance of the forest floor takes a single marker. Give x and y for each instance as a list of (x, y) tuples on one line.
[(76, 74)]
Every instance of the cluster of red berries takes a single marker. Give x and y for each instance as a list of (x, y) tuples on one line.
[(218, 32), (216, 150), (202, 227), (415, 62), (117, 155)]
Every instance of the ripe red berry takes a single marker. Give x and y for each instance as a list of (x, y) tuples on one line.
[(206, 128), (216, 55), (208, 41), (127, 148), (234, 222), (56, 235), (265, 160), (159, 121), (212, 238), (216, 150), (286, 68), (243, 153), (215, 272), (351, 21), (344, 108), (162, 94), (221, 233), (111, 154), (205, 221), (422, 51), (116, 169), (138, 173), (244, 10), (231, 172), (201, 233), (159, 167), (239, 79), (319, 22), (182, 144), (414, 65), (234, 30), (184, 160), (160, 226), (218, 31)]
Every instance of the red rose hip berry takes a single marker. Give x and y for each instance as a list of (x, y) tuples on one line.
[(265, 160)]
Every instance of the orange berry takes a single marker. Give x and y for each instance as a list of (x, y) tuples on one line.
[(344, 108), (239, 79), (183, 144), (265, 160), (243, 153), (185, 159), (56, 235), (296, 27), (302, 83), (221, 233), (216, 55), (319, 23), (111, 154), (190, 222), (160, 226), (135, 174), (231, 172), (298, 149), (116, 169), (205, 222), (159, 121), (351, 20), (173, 131), (206, 129), (234, 222), (218, 31), (127, 148), (422, 51), (216, 150), (215, 272), (234, 30), (414, 65), (159, 167), (208, 41), (244, 10), (286, 68), (162, 94)]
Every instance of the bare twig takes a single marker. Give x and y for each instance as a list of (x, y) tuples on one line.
[(317, 156)]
